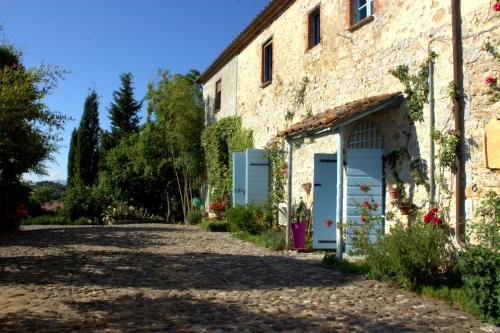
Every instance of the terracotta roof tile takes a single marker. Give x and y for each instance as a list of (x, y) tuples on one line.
[(338, 114)]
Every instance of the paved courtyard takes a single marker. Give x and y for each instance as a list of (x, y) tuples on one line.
[(158, 278)]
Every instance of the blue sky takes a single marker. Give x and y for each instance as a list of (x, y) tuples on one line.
[(97, 40)]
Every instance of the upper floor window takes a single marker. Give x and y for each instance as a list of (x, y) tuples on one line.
[(314, 28), (363, 9), (267, 62), (218, 95)]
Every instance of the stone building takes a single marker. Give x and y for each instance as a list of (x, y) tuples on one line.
[(316, 73)]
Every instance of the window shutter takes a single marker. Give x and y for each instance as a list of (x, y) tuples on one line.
[(239, 161), (257, 176)]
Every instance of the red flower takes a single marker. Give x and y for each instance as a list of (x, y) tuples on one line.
[(375, 206), (329, 223), (496, 7), (490, 79), (366, 204), (363, 219), (437, 221)]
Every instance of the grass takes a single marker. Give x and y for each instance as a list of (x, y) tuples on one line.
[(271, 239), (52, 220), (214, 225), (356, 267)]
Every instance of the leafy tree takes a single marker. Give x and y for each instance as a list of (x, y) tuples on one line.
[(29, 131), (122, 113), (176, 102), (72, 157), (87, 155)]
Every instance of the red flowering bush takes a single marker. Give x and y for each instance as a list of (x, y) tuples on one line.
[(219, 208), (21, 213), (496, 6), (490, 80), (432, 217)]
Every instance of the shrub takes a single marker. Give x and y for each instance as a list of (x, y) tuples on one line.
[(411, 256), (215, 226), (123, 211), (194, 217), (480, 270), (78, 202), (274, 239), (487, 230), (244, 219)]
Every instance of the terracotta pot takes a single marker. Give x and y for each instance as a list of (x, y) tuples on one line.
[(404, 210), (393, 193)]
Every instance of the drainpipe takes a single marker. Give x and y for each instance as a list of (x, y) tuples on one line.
[(458, 102), (432, 166), (289, 204), (340, 190)]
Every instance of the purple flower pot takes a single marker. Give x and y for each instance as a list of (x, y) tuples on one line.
[(299, 234)]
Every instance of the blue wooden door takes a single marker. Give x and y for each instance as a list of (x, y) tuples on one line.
[(239, 175), (364, 168), (257, 176), (325, 201)]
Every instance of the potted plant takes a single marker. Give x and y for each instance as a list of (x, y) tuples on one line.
[(300, 221), (405, 206), (394, 192)]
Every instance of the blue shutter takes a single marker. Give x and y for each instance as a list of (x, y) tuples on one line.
[(257, 176), (325, 201), (364, 166), (239, 161)]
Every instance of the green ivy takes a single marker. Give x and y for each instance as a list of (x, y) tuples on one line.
[(276, 154), (448, 143), (220, 141), (416, 87)]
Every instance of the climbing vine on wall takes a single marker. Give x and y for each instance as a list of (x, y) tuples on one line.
[(492, 81), (276, 154), (220, 141)]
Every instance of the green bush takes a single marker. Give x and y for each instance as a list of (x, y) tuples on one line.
[(215, 226), (480, 270), (244, 218), (194, 217), (53, 220), (412, 256)]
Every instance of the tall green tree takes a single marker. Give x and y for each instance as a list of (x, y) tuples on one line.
[(29, 131), (123, 113), (72, 157), (87, 155), (176, 102)]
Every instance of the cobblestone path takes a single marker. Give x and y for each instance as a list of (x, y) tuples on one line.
[(169, 278)]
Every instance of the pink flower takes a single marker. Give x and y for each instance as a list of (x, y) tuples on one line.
[(490, 79), (496, 7), (284, 171), (375, 206)]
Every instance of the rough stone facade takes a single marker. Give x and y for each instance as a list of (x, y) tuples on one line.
[(228, 77), (351, 65)]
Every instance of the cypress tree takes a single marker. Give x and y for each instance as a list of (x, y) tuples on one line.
[(72, 157), (123, 112), (87, 155)]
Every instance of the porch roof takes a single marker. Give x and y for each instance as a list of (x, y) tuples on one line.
[(342, 114)]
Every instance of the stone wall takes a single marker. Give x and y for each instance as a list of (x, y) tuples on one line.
[(347, 66), (228, 76)]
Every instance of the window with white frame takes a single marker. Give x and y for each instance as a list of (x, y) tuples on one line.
[(363, 9)]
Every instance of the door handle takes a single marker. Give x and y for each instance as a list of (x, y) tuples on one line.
[(317, 184)]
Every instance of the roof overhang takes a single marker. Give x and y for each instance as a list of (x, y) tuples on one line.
[(329, 121), (270, 12)]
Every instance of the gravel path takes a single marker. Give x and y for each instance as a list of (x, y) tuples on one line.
[(158, 278)]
